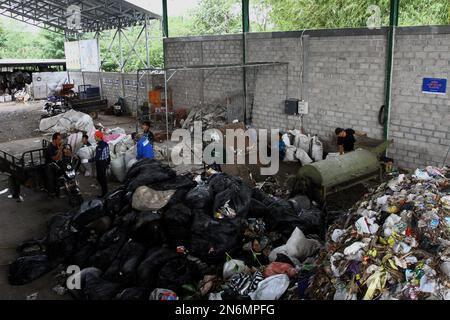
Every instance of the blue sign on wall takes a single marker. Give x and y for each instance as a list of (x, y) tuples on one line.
[(433, 85)]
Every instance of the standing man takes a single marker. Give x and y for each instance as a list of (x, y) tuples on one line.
[(102, 160), (346, 139), (53, 155)]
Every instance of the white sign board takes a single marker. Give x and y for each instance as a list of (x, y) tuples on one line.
[(83, 55), (48, 83)]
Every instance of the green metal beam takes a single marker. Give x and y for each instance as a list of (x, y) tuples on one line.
[(165, 19), (245, 30), (393, 23), (245, 16)]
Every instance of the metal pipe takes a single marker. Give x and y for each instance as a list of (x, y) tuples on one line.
[(167, 114), (245, 30), (165, 19), (393, 24), (147, 44)]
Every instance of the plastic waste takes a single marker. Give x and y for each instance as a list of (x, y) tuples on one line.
[(280, 268), (147, 199), (28, 268), (297, 246), (303, 156), (232, 267), (317, 149), (163, 295), (271, 288)]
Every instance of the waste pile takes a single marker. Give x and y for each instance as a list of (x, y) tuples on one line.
[(394, 244), (166, 236), (211, 116)]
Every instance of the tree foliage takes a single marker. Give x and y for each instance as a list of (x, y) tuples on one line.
[(224, 17)]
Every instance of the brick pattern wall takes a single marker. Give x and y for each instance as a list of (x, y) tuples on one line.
[(343, 81), (420, 123), (114, 85)]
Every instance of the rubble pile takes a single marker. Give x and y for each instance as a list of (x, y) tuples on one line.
[(211, 116), (395, 243), (167, 236)]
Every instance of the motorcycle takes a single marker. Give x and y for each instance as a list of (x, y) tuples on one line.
[(67, 180), (54, 107)]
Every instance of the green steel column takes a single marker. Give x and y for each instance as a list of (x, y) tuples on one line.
[(393, 23), (245, 30), (165, 19)]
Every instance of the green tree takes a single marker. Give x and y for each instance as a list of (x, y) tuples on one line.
[(218, 17), (52, 44), (318, 14)]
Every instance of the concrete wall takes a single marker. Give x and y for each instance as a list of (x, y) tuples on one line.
[(114, 85), (341, 73)]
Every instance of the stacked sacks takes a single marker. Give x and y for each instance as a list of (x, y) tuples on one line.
[(180, 235), (394, 244)]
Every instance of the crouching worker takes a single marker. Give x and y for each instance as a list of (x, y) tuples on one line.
[(102, 160), (144, 147)]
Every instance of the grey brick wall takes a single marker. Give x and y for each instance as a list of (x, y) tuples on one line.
[(420, 122), (114, 85), (343, 81)]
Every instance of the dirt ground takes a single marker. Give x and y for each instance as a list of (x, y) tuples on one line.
[(28, 220)]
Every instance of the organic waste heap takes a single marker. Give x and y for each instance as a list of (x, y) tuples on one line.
[(165, 236), (395, 243)]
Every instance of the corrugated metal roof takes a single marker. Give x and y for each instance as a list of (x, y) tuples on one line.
[(57, 15)]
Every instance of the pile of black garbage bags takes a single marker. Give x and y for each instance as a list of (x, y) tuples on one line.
[(128, 254)]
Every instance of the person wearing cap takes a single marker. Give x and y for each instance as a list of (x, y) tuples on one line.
[(102, 160)]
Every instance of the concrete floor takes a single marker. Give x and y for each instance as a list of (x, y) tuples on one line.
[(28, 220)]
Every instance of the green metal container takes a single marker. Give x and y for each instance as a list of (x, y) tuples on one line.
[(335, 174)]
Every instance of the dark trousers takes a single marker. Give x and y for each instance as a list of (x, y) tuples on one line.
[(102, 167), (52, 174)]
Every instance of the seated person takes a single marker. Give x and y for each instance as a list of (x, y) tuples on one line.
[(53, 155)]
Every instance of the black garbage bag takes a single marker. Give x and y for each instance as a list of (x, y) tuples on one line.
[(232, 192), (147, 173), (96, 288), (312, 222), (61, 240), (212, 239), (88, 212), (147, 229), (258, 209), (177, 223), (198, 198), (115, 201), (179, 182), (156, 258), (99, 226), (134, 294), (109, 246), (123, 268), (31, 248), (174, 274), (128, 221), (28, 268), (300, 202), (140, 166), (81, 257)]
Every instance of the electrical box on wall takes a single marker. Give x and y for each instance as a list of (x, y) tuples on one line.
[(303, 107), (291, 106)]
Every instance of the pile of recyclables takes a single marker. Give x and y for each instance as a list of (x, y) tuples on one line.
[(394, 244), (166, 236)]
